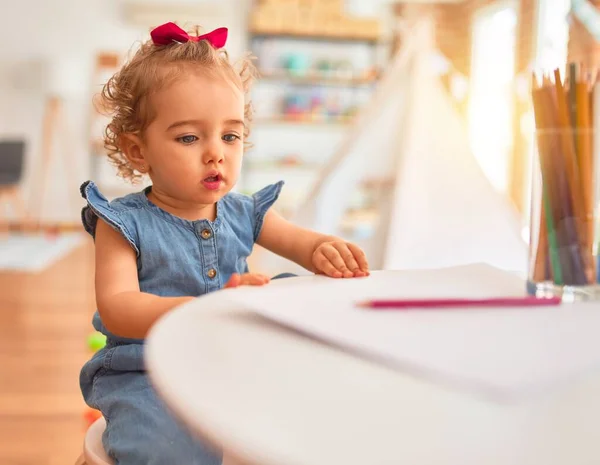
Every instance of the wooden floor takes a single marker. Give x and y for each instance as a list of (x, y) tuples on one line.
[(44, 323)]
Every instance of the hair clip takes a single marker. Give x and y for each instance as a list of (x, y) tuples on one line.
[(170, 32)]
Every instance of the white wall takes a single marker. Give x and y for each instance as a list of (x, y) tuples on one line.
[(65, 35)]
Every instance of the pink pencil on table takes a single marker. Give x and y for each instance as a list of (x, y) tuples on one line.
[(398, 304)]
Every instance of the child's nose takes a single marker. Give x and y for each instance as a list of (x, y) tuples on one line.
[(213, 152)]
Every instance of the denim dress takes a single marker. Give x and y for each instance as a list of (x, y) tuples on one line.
[(175, 257)]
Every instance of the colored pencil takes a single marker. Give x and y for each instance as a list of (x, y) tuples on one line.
[(435, 303), (565, 121), (549, 202)]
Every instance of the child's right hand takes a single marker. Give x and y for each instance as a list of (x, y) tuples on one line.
[(247, 279)]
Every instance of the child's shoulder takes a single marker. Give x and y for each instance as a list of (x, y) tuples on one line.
[(253, 207), (96, 199), (118, 213), (267, 194)]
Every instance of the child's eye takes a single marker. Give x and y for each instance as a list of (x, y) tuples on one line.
[(187, 139), (230, 137)]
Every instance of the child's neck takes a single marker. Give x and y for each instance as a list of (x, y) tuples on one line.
[(183, 209)]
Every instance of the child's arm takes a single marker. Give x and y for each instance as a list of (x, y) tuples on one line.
[(125, 311), (316, 252)]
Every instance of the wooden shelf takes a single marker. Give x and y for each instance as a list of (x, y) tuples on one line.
[(341, 122), (281, 166), (317, 79), (378, 183), (316, 37)]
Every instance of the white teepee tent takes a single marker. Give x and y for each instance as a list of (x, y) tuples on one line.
[(435, 207)]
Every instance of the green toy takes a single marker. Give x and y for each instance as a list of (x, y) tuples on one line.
[(96, 341)]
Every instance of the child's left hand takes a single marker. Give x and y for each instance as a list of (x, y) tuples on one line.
[(339, 259), (247, 279)]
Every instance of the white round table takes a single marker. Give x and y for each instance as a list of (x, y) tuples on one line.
[(270, 396)]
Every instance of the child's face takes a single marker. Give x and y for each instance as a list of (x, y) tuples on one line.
[(194, 145)]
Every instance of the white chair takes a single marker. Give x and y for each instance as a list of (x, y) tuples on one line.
[(93, 450)]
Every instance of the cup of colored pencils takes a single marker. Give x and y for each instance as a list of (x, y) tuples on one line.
[(565, 194)]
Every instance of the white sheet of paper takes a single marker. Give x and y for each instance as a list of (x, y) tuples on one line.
[(505, 350)]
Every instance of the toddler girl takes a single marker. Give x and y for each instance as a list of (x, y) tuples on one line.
[(179, 115)]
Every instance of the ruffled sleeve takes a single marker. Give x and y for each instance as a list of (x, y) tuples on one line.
[(263, 200), (99, 207)]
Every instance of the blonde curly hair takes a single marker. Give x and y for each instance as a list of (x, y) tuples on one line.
[(125, 96)]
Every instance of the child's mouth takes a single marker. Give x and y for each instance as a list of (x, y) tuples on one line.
[(212, 182)]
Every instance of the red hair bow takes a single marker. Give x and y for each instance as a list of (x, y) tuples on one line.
[(170, 32)]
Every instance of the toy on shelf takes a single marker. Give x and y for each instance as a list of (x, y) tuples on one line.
[(294, 107), (317, 106), (333, 107), (350, 112), (344, 70), (371, 74), (323, 67), (296, 64), (291, 160), (318, 71)]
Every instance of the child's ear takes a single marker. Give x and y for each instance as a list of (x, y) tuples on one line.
[(132, 148)]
